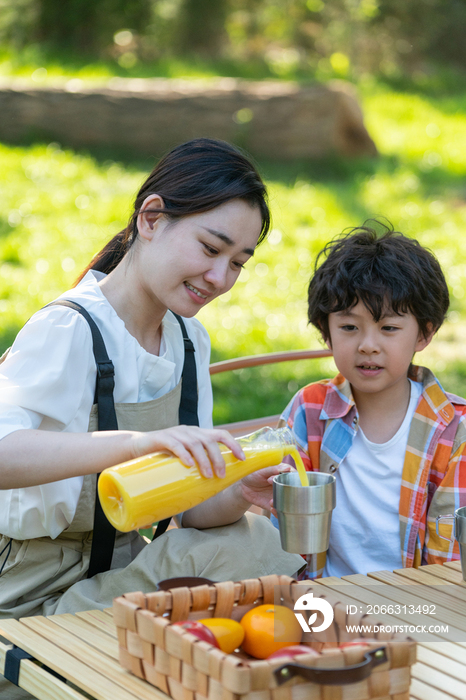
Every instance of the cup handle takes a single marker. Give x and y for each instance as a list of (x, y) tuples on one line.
[(443, 517), (333, 676)]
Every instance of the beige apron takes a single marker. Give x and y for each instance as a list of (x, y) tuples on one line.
[(45, 576)]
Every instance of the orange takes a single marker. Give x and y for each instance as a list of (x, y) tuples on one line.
[(268, 628), (228, 633)]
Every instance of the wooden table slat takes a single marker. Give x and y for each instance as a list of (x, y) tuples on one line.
[(430, 657), (63, 662), (418, 588), (91, 635), (109, 668), (99, 619), (421, 691), (405, 597), (422, 575), (39, 682), (457, 652), (362, 595), (446, 573), (456, 565), (436, 679)]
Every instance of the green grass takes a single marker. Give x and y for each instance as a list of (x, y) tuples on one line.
[(59, 207), (46, 67)]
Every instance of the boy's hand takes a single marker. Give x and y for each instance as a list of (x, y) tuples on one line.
[(257, 488)]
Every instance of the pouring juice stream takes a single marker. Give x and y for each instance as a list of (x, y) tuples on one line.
[(158, 486), (299, 467)]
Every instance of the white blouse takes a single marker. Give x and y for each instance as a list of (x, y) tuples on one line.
[(47, 382), (365, 531)]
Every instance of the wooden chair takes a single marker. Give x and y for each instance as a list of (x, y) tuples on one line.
[(248, 426)]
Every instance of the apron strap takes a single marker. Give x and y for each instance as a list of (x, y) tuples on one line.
[(103, 538), (189, 397)]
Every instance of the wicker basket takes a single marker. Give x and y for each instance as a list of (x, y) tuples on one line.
[(187, 668)]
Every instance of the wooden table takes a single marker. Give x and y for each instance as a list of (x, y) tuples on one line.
[(83, 647)]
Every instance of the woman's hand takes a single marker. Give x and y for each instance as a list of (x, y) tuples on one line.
[(257, 488), (190, 444)]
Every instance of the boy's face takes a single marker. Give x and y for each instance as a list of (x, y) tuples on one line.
[(374, 356)]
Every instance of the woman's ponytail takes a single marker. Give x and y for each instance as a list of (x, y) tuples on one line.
[(111, 254)]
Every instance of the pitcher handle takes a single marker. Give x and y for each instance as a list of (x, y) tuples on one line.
[(444, 517)]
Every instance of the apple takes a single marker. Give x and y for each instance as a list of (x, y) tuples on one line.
[(294, 650), (199, 630), (360, 642)]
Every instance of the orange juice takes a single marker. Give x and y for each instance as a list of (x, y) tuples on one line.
[(158, 486), (300, 467)]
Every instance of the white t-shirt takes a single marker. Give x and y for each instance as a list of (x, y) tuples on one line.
[(365, 530), (47, 382)]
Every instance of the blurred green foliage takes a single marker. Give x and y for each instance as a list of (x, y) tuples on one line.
[(59, 207), (299, 39)]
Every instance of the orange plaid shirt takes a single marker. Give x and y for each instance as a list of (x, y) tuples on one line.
[(324, 419)]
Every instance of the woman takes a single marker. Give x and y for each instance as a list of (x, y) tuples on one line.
[(196, 222)]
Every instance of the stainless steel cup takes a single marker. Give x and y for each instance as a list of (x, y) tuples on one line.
[(304, 512), (459, 532)]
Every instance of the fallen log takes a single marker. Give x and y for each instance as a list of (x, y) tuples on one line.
[(277, 120)]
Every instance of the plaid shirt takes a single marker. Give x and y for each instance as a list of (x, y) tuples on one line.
[(324, 419)]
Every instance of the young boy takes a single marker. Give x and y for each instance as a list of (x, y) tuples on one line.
[(394, 439)]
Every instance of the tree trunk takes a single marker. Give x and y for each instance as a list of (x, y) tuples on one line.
[(202, 27), (88, 25)]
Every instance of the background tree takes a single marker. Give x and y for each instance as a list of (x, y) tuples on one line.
[(78, 26), (292, 38), (201, 27)]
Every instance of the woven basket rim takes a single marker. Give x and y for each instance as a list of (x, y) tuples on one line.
[(187, 668)]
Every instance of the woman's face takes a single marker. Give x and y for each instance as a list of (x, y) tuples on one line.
[(186, 263)]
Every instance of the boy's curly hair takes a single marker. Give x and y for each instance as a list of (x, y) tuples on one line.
[(386, 272)]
